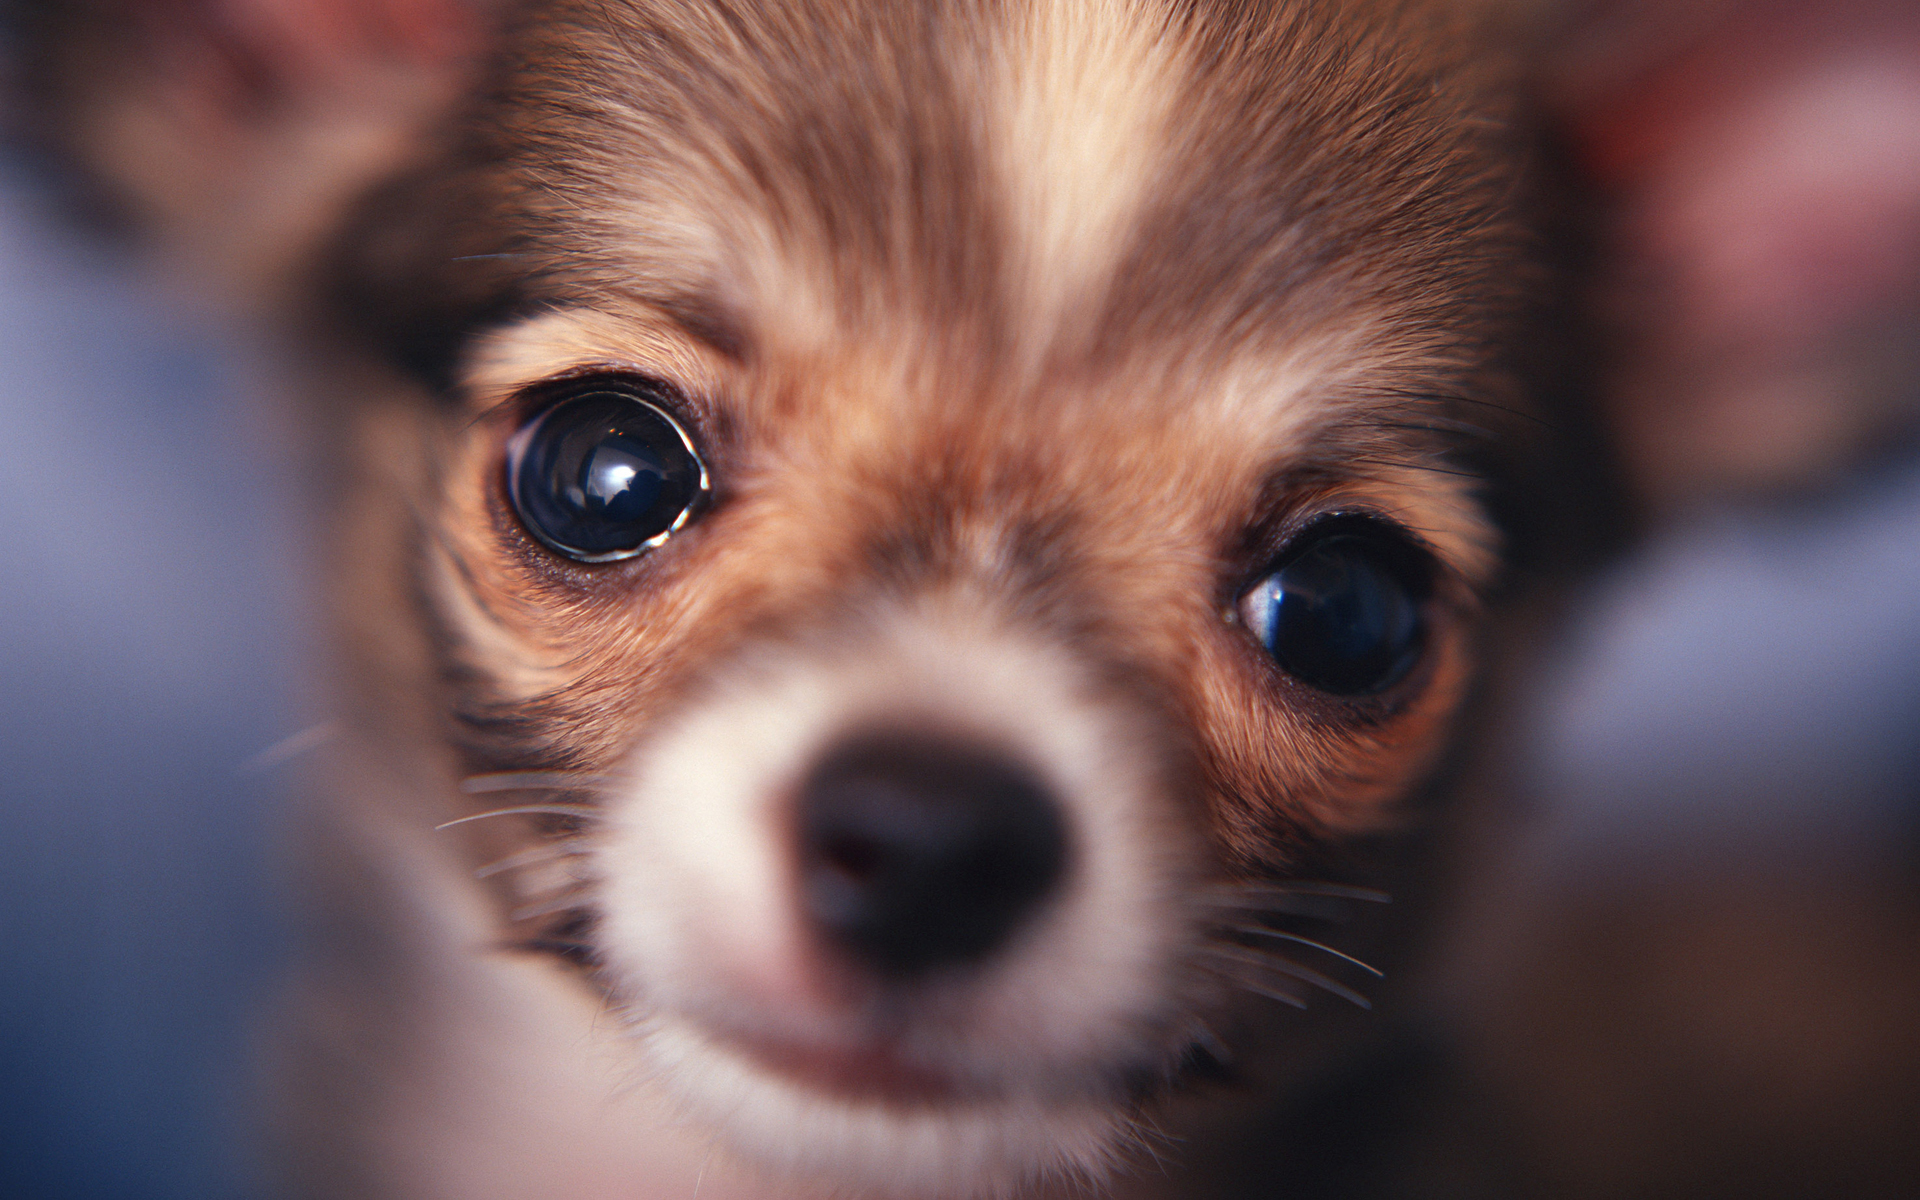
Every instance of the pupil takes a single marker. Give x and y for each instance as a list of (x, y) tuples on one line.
[(1343, 616), (603, 476)]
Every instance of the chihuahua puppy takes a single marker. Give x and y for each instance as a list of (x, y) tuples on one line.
[(918, 552), (886, 536)]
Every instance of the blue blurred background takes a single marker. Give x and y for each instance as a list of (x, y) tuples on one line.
[(145, 637)]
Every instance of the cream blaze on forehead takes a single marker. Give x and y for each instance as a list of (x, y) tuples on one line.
[(835, 194), (1079, 138)]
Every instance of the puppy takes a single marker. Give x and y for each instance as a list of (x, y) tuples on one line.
[(939, 771), (885, 537)]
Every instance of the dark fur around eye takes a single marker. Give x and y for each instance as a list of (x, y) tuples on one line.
[(1343, 608), (604, 474)]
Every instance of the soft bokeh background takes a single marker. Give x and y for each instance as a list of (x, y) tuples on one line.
[(1684, 957), (145, 639)]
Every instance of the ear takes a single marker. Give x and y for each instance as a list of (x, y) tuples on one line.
[(1759, 288), (228, 134)]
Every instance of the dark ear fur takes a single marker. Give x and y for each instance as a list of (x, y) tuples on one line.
[(227, 136), (418, 267)]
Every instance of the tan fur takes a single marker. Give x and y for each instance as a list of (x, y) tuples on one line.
[(1082, 143)]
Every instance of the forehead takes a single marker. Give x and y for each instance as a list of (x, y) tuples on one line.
[(1256, 229), (1065, 184)]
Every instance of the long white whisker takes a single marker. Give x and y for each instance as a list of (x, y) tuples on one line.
[(1240, 980), (1146, 1133), (1204, 1034), (1251, 895), (527, 858), (560, 904), (289, 748), (1263, 931), (1295, 1000), (556, 810), (1285, 966)]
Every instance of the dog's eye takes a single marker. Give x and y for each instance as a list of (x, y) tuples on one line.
[(1343, 608), (603, 476)]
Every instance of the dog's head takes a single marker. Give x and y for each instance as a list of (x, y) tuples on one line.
[(925, 510), (928, 502)]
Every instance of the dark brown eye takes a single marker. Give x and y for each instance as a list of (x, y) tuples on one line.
[(1343, 608), (604, 475)]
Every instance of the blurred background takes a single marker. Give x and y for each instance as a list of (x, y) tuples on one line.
[(146, 633), (1682, 956)]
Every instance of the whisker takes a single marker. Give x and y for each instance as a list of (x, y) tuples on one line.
[(549, 907), (546, 852), (568, 948), (1431, 425), (1277, 897), (565, 199), (1287, 967), (1445, 398), (1263, 931), (289, 748), (1320, 908), (1204, 1034), (1146, 1133), (1409, 464), (533, 781), (557, 810), (1257, 987), (1292, 998)]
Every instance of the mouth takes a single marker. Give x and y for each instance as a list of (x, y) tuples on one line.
[(872, 1121), (927, 1068), (872, 1073)]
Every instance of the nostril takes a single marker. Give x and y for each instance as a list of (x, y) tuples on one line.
[(858, 858), (918, 853)]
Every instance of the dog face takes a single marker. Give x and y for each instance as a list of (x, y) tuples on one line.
[(931, 507)]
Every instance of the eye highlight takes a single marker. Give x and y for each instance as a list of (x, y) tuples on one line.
[(1343, 609), (603, 475)]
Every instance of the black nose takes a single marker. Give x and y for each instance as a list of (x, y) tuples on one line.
[(918, 853)]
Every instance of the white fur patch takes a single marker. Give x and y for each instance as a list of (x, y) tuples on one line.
[(704, 942), (1093, 88)]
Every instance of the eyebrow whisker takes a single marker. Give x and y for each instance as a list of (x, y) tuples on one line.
[(556, 810)]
